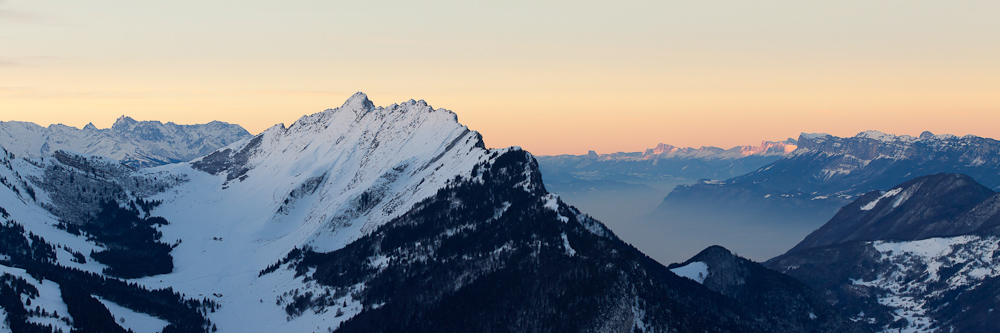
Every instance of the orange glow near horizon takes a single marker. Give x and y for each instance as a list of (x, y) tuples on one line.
[(554, 78)]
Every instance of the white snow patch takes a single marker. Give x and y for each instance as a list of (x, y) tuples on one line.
[(871, 205), (927, 248), (924, 259), (49, 299), (833, 172), (552, 203), (379, 262), (903, 197), (639, 314), (696, 271), (569, 250), (3, 323), (129, 319)]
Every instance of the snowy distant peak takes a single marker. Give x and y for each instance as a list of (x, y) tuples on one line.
[(885, 137), (880, 137), (766, 148), (926, 135), (660, 149), (812, 136), (769, 148), (871, 145), (359, 102), (124, 123), (135, 143)]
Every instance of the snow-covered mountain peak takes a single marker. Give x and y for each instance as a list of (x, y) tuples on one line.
[(813, 136), (359, 103), (338, 173), (885, 137), (877, 137), (665, 151), (124, 123)]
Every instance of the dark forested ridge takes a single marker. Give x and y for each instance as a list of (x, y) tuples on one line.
[(133, 244), (496, 253), (920, 255)]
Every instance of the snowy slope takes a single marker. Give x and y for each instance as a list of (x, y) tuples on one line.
[(908, 286), (135, 143), (324, 181)]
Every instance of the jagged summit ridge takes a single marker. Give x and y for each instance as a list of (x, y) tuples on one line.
[(403, 151)]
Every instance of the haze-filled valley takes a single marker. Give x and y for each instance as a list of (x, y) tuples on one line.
[(368, 218), (760, 202)]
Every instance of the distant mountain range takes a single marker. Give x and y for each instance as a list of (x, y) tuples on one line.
[(134, 143), (803, 189), (620, 187), (665, 162)]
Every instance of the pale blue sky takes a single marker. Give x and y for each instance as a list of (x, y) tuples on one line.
[(552, 76)]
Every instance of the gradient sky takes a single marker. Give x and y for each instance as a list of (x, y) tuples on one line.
[(551, 76)]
